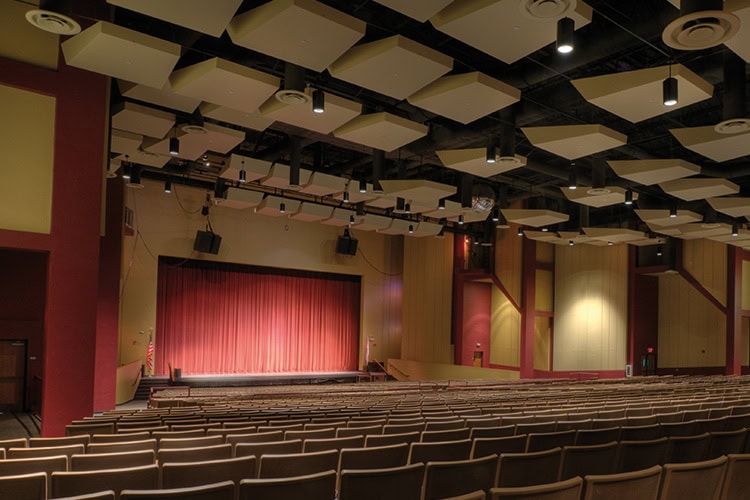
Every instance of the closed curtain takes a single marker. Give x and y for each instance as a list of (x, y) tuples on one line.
[(224, 318)]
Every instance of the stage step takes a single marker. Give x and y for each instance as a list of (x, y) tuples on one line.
[(144, 388)]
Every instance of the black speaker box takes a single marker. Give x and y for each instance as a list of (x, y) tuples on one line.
[(346, 245), (207, 242)]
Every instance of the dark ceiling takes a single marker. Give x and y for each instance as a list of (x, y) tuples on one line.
[(624, 35)]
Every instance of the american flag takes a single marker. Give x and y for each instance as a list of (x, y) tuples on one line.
[(150, 356)]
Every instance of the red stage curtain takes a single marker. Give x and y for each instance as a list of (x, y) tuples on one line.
[(226, 318)]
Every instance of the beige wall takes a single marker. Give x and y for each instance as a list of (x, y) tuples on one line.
[(591, 285), (692, 331), (21, 41), (167, 227), (505, 331), (27, 141), (706, 261), (406, 370), (427, 299), (508, 259)]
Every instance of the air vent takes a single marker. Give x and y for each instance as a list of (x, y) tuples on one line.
[(598, 191), (546, 10), (193, 129), (733, 126), (701, 30), (53, 22), (288, 96)]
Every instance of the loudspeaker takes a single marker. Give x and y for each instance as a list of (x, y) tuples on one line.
[(207, 242), (346, 245)]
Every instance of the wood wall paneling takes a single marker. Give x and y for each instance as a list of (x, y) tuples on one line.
[(706, 261), (508, 258)]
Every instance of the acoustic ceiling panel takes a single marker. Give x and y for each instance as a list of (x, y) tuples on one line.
[(121, 141), (650, 172), (394, 66), (466, 97), (740, 42), (122, 53), (452, 209), (142, 120), (470, 215), (417, 189), (699, 189), (574, 141), (382, 202), (161, 97), (661, 218), (240, 199), (733, 207), (226, 83), (646, 242), (278, 176), (338, 111), (399, 226), (508, 29), (424, 229), (304, 32), (372, 222), (421, 10), (253, 119), (534, 217), (613, 234), (355, 196), (597, 197), (254, 169), (320, 184), (697, 231), (709, 143), (381, 131), (210, 18), (193, 145), (546, 236), (638, 95), (273, 205), (146, 158), (742, 238), (340, 217), (474, 161), (311, 212)]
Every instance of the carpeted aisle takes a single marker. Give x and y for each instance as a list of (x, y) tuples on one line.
[(18, 425)]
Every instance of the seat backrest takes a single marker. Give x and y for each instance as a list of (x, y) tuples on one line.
[(381, 457), (445, 479), (528, 469), (548, 440), (48, 451), (608, 423), (121, 447), (693, 480), (325, 433), (342, 432), (119, 438), (42, 442), (688, 448), (195, 433), (445, 425), (321, 486), (445, 435), (536, 427), (401, 483), (638, 455), (641, 484), (88, 429), (21, 466), (585, 437), (314, 445), (388, 439), (403, 428), (99, 461), (296, 464), (79, 483), (680, 428), (588, 460), (440, 451), (99, 495), (194, 442), (737, 478), (261, 437), (473, 423), (569, 489), (727, 442), (641, 432), (565, 425), (482, 447), (216, 452), (5, 444), (274, 447), (183, 475), (24, 486), (218, 491), (487, 432)]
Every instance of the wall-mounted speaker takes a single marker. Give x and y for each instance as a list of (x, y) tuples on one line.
[(207, 242), (346, 244)]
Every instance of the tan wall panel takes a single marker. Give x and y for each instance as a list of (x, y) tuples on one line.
[(544, 290), (746, 285), (591, 307), (692, 331), (542, 336), (21, 41), (405, 370), (427, 300), (27, 141), (505, 331), (706, 260), (248, 238), (545, 252), (745, 341), (508, 261)]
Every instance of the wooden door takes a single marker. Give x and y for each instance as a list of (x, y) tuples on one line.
[(12, 373)]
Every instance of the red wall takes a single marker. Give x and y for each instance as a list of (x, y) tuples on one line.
[(477, 304)]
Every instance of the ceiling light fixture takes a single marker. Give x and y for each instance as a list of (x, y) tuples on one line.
[(243, 174), (282, 208), (673, 211), (495, 215), (609, 243), (351, 220), (407, 208), (520, 231), (346, 196), (629, 197), (411, 229), (572, 177), (735, 229), (491, 151), (174, 145), (565, 30), (571, 243), (168, 187), (126, 168), (669, 89), (362, 185), (460, 219), (441, 204), (659, 251), (318, 101)]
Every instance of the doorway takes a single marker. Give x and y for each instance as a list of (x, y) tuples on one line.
[(13, 374), (477, 360)]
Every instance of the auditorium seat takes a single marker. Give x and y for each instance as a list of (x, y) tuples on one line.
[(476, 422), (192, 442), (193, 434), (48, 451), (261, 437), (546, 440), (640, 432), (443, 425), (218, 491), (315, 445), (727, 442), (445, 479), (693, 480), (641, 484), (99, 495), (566, 425), (215, 452), (223, 432), (14, 443), (79, 483), (402, 483), (88, 429), (41, 442), (319, 486), (440, 451), (121, 447), (331, 423), (381, 457), (688, 448), (388, 439), (562, 490), (735, 422), (680, 429), (445, 435), (737, 478), (366, 422), (537, 427), (474, 495), (343, 432), (488, 432), (118, 438), (528, 469), (325, 433), (403, 428), (194, 427), (291, 464), (24, 486), (482, 447), (608, 423), (272, 447), (586, 437), (588, 460), (98, 461), (186, 474), (637, 455)]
